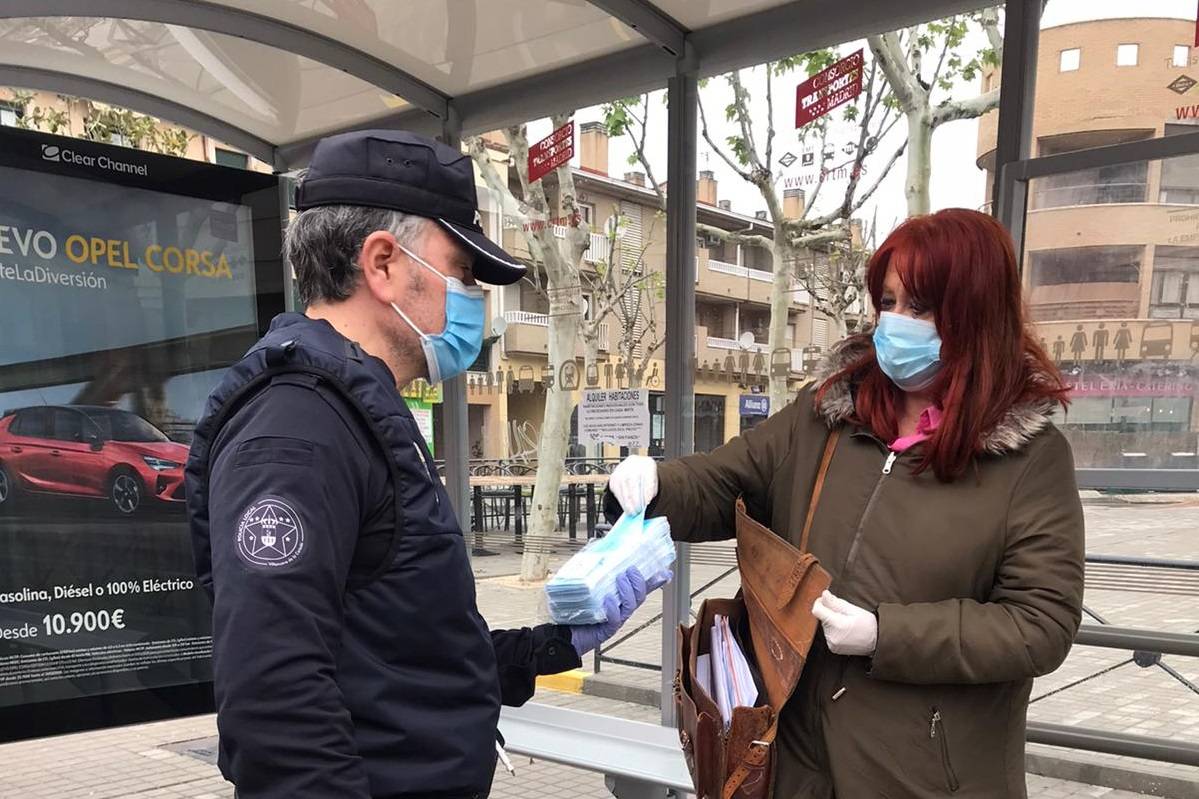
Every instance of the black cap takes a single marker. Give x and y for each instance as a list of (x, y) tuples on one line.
[(414, 175)]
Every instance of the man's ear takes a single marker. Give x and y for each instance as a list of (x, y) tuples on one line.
[(379, 258)]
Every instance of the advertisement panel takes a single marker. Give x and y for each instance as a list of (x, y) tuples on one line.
[(128, 282)]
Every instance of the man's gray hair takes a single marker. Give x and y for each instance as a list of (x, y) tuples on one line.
[(322, 246)]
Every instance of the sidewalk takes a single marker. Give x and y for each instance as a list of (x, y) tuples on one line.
[(135, 761)]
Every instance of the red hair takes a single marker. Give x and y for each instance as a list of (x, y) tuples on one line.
[(962, 265)]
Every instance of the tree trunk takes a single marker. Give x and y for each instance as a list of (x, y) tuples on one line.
[(555, 431), (780, 307), (920, 140)]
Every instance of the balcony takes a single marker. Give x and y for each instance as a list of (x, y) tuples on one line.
[(599, 250), (528, 333), (716, 350)]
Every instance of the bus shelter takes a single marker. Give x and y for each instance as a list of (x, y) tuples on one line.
[(272, 77)]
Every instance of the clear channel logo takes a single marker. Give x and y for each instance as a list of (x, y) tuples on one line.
[(52, 152)]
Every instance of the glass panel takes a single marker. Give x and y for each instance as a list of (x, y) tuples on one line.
[(123, 303), (276, 95), (1119, 316), (462, 46)]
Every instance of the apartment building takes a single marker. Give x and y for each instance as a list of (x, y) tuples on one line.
[(1111, 257)]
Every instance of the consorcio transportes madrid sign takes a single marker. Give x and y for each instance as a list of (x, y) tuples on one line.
[(829, 89), (552, 152)]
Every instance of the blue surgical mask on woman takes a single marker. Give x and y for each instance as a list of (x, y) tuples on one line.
[(452, 351), (908, 351)]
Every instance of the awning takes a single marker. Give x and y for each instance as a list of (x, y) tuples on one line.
[(272, 76)]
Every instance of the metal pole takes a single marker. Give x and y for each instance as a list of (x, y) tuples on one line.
[(1017, 91), (682, 124), (453, 400)]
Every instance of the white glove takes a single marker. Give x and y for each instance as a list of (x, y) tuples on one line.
[(634, 483), (848, 629)]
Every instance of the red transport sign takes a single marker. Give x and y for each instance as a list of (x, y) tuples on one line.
[(552, 152), (828, 89)]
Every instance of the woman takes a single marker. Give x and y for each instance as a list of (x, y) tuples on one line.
[(950, 523)]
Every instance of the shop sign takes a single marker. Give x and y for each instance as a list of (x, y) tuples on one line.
[(755, 405), (619, 417)]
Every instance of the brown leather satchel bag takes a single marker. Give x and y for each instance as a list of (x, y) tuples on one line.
[(771, 617)]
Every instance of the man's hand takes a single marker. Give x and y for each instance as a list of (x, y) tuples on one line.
[(631, 591), (848, 629)]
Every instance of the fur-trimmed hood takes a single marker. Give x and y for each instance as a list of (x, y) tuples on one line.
[(1019, 426)]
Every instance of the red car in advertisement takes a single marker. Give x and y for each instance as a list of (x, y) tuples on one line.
[(89, 452)]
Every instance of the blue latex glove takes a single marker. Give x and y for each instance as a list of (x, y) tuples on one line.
[(631, 591)]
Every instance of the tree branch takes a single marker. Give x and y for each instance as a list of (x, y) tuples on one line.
[(769, 119), (745, 239), (812, 240), (971, 108), (744, 118), (895, 66), (708, 138), (990, 22)]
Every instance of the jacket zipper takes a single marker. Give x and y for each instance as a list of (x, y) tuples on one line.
[(420, 456), (878, 487), (936, 729), (888, 465)]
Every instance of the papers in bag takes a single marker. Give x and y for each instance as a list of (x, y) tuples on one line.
[(576, 594), (724, 673)]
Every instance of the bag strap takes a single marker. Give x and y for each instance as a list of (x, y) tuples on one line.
[(829, 448), (755, 758)]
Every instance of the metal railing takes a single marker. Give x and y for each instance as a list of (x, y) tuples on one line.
[(599, 250), (1147, 646), (737, 270), (717, 343), (543, 320)]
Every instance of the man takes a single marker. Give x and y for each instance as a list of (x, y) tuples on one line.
[(349, 657)]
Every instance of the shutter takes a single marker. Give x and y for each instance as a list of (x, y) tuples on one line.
[(630, 252)]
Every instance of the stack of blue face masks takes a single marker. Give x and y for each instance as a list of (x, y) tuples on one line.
[(576, 594)]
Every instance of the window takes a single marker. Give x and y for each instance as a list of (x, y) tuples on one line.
[(1175, 283), (1070, 60), (586, 211), (1182, 55), (1085, 265), (1126, 55), (32, 423), (67, 425), (709, 422), (1180, 175), (1119, 183), (120, 140), (230, 158), (9, 114)]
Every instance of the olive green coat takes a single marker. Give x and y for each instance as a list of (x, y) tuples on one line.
[(977, 585)]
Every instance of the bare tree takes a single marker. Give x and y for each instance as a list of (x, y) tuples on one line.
[(905, 57), (615, 289)]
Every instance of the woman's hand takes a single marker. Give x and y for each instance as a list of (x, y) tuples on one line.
[(848, 629), (634, 483)]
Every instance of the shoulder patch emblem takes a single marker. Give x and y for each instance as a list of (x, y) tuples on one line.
[(270, 534)]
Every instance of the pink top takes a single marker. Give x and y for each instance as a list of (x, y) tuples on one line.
[(930, 420)]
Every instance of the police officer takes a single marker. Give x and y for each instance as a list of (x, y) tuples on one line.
[(349, 657)]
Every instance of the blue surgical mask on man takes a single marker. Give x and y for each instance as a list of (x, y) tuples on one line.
[(452, 351), (908, 351)]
